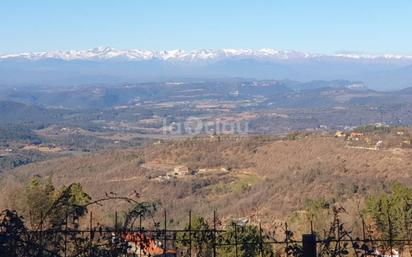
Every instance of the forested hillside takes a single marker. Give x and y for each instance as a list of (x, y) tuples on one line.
[(258, 178)]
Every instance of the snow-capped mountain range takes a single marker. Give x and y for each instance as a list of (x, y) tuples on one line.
[(109, 65), (108, 53)]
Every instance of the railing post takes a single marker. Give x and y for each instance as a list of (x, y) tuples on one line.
[(286, 238), (261, 240), (363, 230), (309, 245), (91, 233), (236, 250), (140, 223), (31, 220), (311, 226), (214, 233), (338, 232), (165, 234), (140, 235), (190, 233), (65, 234), (390, 234), (115, 222), (41, 232)]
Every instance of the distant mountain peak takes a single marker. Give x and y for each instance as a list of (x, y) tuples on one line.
[(108, 53)]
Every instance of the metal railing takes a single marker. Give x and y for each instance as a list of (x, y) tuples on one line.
[(214, 241)]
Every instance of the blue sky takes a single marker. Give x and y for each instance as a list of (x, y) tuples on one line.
[(323, 26)]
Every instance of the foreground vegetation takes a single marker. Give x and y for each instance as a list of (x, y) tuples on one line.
[(49, 220), (55, 221)]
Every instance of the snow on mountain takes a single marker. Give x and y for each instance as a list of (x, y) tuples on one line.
[(107, 53)]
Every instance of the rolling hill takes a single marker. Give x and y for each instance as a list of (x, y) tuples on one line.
[(259, 178)]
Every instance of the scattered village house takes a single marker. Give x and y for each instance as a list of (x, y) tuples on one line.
[(180, 170), (340, 134), (356, 134)]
